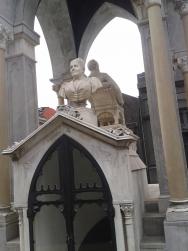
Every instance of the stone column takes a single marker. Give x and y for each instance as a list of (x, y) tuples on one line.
[(4, 162), (147, 80), (21, 83), (8, 219), (120, 238), (127, 210), (182, 63), (23, 229), (171, 136)]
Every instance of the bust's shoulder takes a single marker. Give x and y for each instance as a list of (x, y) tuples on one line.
[(66, 83)]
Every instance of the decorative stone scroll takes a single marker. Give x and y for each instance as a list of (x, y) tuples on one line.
[(119, 131), (69, 110)]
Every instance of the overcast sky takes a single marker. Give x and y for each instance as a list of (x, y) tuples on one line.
[(117, 49)]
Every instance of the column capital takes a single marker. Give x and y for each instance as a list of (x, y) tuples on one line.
[(127, 210), (181, 6), (182, 63), (138, 2), (150, 3), (5, 35)]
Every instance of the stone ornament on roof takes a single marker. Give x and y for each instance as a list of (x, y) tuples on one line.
[(119, 131), (69, 110)]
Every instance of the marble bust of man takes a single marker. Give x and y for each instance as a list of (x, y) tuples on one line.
[(80, 88)]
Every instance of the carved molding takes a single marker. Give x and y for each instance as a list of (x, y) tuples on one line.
[(5, 35), (119, 131), (69, 110), (127, 210)]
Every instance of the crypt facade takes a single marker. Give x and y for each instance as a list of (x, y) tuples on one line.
[(70, 28)]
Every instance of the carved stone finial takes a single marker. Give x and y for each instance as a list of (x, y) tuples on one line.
[(127, 210), (5, 35), (181, 6)]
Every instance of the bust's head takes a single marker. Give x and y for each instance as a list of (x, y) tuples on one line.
[(93, 65), (77, 67)]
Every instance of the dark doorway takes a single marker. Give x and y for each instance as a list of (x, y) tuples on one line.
[(70, 204)]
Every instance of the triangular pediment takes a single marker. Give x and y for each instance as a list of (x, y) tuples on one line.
[(119, 137)]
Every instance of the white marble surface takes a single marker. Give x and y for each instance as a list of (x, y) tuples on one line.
[(117, 162)]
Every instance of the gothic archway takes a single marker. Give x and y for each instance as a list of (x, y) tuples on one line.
[(99, 20), (68, 197)]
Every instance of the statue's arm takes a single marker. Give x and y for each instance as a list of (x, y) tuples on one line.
[(57, 88)]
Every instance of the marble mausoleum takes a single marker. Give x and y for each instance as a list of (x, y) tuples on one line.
[(77, 182)]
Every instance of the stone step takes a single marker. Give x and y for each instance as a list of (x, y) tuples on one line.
[(13, 245), (153, 224), (151, 206), (152, 243)]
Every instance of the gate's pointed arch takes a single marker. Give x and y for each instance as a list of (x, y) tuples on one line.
[(68, 197)]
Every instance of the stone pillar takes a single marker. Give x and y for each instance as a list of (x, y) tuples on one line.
[(176, 223), (149, 81), (120, 238), (127, 210), (171, 137), (182, 63), (23, 229), (21, 82), (8, 219), (4, 162)]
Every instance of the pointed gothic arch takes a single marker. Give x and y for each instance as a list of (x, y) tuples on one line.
[(56, 24), (69, 186), (101, 18)]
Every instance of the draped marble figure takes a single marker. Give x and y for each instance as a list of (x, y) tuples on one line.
[(105, 79), (80, 88)]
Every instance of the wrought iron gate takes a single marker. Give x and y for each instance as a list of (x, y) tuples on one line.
[(78, 180)]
